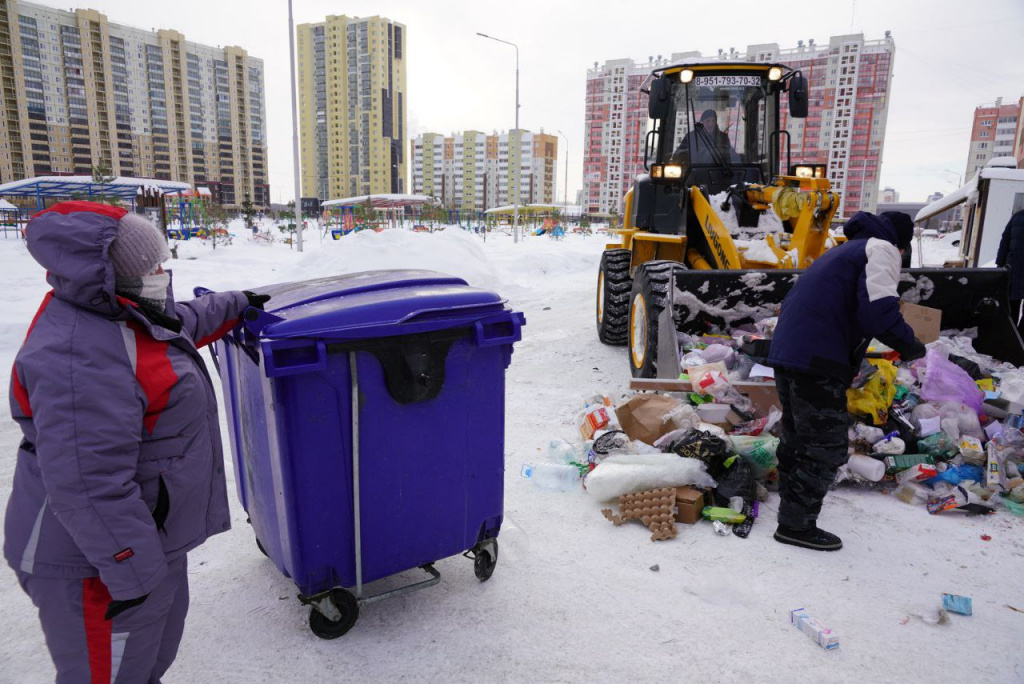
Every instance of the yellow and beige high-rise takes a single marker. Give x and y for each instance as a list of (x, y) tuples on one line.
[(78, 91), (352, 106), (472, 171)]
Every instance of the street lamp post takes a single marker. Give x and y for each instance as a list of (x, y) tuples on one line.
[(565, 191), (295, 132), (515, 196)]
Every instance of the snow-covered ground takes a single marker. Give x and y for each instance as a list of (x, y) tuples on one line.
[(573, 598)]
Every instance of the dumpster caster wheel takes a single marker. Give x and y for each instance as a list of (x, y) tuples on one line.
[(347, 608), (485, 559), (259, 545)]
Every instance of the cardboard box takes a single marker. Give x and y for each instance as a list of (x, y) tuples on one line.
[(594, 419), (813, 628), (642, 416), (925, 321), (921, 471), (689, 504)]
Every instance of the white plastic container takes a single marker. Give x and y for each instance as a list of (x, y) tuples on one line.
[(870, 469), (713, 413)]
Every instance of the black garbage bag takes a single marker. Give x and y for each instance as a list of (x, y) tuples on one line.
[(738, 480), (972, 368), (707, 448), (899, 421)]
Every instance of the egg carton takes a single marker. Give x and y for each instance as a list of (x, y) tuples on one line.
[(655, 508)]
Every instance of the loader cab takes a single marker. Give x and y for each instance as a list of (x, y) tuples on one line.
[(714, 125)]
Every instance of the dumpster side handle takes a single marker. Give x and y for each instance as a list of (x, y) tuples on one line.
[(499, 330), (290, 357)]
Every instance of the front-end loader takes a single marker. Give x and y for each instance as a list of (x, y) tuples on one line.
[(714, 235)]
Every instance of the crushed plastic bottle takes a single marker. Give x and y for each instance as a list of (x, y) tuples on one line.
[(559, 476), (721, 529), (718, 387), (913, 493)]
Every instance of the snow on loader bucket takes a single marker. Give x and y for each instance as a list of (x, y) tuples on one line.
[(705, 299)]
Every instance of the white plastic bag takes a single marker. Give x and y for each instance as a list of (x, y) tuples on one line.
[(965, 418), (618, 475), (757, 450), (892, 445)]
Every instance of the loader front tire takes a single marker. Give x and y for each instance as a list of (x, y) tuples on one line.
[(613, 284), (647, 300)]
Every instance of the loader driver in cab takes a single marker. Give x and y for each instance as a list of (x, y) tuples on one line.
[(705, 144)]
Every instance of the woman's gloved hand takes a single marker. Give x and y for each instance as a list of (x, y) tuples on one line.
[(256, 300)]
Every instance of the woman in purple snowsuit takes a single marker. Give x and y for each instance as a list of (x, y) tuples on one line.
[(120, 472)]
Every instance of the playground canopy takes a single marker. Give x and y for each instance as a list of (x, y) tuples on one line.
[(122, 187), (567, 211), (380, 201), (7, 206)]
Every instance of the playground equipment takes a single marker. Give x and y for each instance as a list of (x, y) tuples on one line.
[(11, 220)]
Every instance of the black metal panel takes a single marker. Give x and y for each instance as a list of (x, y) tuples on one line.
[(656, 208), (967, 298)]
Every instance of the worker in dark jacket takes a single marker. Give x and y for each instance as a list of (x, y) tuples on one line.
[(846, 298), (1011, 254), (120, 472)]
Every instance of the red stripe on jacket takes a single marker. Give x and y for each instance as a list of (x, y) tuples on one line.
[(70, 207), (95, 600), (217, 334), (17, 388), (154, 372)]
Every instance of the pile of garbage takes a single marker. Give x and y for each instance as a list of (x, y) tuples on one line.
[(942, 432)]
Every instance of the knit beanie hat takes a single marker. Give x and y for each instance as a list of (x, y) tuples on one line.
[(904, 226), (138, 248)]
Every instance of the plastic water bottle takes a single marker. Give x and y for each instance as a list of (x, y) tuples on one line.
[(560, 476), (561, 451)]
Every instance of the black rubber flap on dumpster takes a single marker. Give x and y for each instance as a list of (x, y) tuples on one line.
[(413, 365)]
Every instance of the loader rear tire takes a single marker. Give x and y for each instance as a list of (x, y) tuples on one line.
[(647, 300), (613, 286)]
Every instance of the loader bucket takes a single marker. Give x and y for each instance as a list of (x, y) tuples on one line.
[(704, 300)]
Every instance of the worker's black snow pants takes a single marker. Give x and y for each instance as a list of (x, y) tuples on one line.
[(813, 443)]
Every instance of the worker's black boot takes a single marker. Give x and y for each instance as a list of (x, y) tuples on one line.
[(811, 538)]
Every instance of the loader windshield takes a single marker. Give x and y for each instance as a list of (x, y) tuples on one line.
[(721, 120)]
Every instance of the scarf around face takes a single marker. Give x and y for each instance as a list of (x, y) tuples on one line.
[(148, 290)]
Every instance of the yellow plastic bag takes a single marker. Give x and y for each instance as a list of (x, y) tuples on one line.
[(875, 397)]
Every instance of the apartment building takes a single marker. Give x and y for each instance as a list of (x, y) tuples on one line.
[(352, 106), (472, 171), (80, 91), (994, 133), (849, 79)]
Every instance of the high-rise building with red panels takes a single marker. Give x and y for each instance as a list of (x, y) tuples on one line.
[(616, 123), (994, 133), (849, 80)]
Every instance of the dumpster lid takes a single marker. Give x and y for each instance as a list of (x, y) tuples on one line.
[(372, 304)]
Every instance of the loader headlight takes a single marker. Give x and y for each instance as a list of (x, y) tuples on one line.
[(809, 171), (686, 75), (666, 172), (774, 74)]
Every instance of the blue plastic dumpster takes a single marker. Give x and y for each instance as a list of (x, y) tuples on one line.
[(339, 497)]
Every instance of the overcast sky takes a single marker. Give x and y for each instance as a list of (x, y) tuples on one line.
[(950, 57)]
